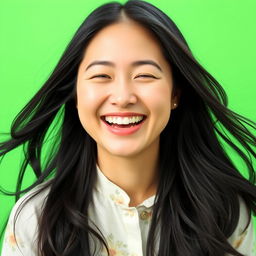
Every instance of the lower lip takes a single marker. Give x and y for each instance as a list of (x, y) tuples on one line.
[(123, 131)]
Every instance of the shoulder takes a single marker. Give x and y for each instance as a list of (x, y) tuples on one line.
[(21, 231), (243, 239), (30, 205)]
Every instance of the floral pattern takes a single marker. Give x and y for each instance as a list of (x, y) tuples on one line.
[(129, 212), (117, 197), (120, 241), (116, 247), (11, 239), (238, 241)]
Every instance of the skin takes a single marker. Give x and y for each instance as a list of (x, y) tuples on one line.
[(129, 161)]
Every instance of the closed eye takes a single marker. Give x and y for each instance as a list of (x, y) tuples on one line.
[(146, 76), (101, 76), (142, 75)]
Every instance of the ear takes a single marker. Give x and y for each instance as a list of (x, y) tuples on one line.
[(175, 98)]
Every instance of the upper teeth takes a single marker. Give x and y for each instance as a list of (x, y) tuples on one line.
[(123, 120)]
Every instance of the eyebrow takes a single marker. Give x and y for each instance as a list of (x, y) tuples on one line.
[(134, 64)]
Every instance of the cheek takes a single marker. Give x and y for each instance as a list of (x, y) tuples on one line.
[(88, 102), (86, 94), (162, 109), (159, 103), (89, 98), (158, 99)]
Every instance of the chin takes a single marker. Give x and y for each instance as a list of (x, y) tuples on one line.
[(123, 152)]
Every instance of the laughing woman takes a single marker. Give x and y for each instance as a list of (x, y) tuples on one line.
[(137, 166)]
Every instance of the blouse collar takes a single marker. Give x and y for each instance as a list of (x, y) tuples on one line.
[(115, 193)]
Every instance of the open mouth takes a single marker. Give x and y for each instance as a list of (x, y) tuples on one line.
[(119, 124)]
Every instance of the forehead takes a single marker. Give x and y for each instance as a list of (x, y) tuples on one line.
[(123, 42)]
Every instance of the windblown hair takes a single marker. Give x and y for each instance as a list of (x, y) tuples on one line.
[(197, 200)]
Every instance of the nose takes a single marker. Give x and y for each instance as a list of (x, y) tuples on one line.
[(123, 95)]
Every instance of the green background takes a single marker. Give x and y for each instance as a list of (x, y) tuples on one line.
[(33, 35)]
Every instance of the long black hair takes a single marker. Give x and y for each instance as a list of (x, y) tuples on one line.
[(197, 200)]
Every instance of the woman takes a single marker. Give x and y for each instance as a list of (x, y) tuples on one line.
[(136, 166)]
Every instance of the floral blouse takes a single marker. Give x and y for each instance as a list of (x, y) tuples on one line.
[(125, 228)]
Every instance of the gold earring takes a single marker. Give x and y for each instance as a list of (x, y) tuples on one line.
[(174, 105)]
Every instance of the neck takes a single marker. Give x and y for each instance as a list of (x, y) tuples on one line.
[(136, 175)]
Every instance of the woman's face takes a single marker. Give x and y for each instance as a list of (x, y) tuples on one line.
[(123, 78)]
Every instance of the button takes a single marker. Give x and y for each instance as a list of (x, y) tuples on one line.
[(144, 215)]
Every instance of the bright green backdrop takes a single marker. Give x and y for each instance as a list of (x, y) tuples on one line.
[(33, 34)]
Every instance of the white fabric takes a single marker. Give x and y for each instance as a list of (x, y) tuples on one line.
[(125, 228)]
